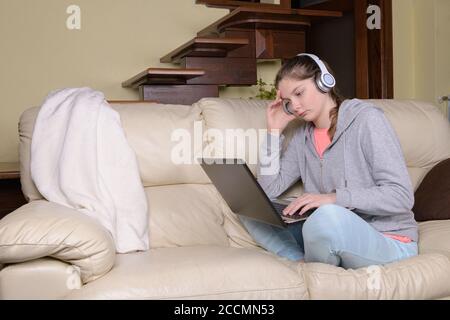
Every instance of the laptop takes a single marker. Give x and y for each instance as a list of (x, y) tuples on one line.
[(243, 194)]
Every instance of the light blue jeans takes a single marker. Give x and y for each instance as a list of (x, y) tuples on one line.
[(332, 235)]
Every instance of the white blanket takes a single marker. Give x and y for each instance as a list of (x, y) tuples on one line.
[(80, 158)]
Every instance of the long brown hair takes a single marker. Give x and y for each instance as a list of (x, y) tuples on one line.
[(302, 68)]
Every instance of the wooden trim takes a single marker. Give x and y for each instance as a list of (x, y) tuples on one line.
[(361, 50), (9, 170), (231, 4), (130, 101), (388, 52)]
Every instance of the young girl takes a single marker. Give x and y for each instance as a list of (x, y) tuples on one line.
[(352, 168)]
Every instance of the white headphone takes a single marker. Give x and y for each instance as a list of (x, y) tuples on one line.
[(325, 82)]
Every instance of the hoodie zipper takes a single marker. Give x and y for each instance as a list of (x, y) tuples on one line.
[(321, 175)]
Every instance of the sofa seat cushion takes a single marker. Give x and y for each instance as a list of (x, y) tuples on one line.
[(420, 277), (203, 272), (434, 237)]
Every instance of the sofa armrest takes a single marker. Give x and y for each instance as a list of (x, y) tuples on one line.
[(44, 278), (41, 228)]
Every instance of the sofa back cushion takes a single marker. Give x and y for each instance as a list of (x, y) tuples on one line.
[(156, 132), (423, 131), (235, 128), (26, 127), (148, 128), (432, 198)]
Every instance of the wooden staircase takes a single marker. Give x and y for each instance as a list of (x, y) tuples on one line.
[(226, 52)]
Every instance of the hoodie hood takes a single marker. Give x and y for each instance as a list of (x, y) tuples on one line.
[(348, 112)]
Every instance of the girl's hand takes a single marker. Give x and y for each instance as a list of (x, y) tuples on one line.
[(277, 118), (309, 201)]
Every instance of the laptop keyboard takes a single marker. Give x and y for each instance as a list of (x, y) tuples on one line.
[(279, 207)]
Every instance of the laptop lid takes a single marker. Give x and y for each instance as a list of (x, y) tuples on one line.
[(240, 190)]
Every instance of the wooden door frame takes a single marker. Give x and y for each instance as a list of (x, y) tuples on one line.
[(374, 52)]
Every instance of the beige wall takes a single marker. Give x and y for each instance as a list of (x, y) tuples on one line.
[(421, 49), (120, 38), (117, 40)]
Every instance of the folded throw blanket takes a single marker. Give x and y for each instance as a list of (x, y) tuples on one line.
[(80, 158)]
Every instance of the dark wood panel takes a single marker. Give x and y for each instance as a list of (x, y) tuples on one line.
[(223, 71), (338, 49), (184, 94), (279, 44), (374, 58), (340, 5), (247, 51), (361, 50), (11, 196)]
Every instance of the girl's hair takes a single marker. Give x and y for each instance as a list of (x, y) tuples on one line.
[(304, 67)]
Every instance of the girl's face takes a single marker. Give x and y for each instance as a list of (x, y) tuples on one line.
[(306, 101)]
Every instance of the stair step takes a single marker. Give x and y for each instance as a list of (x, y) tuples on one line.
[(263, 18), (162, 76), (205, 47)]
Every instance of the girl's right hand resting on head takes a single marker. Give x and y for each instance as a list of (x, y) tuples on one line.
[(277, 118)]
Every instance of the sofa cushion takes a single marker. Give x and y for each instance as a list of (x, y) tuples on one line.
[(432, 198), (423, 132), (420, 277), (434, 237), (235, 128), (154, 131), (185, 215), (204, 272), (26, 127)]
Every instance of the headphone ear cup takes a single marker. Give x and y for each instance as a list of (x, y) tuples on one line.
[(320, 85)]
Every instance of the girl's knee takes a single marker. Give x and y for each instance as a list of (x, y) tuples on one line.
[(324, 223)]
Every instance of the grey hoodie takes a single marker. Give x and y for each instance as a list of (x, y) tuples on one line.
[(363, 165)]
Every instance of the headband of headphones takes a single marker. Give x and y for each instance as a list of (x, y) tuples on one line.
[(326, 78)]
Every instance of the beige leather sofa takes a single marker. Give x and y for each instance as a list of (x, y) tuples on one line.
[(199, 249)]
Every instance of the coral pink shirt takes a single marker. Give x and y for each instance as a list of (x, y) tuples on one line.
[(321, 142)]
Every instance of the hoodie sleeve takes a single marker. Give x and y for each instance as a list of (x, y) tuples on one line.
[(277, 171), (392, 193)]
